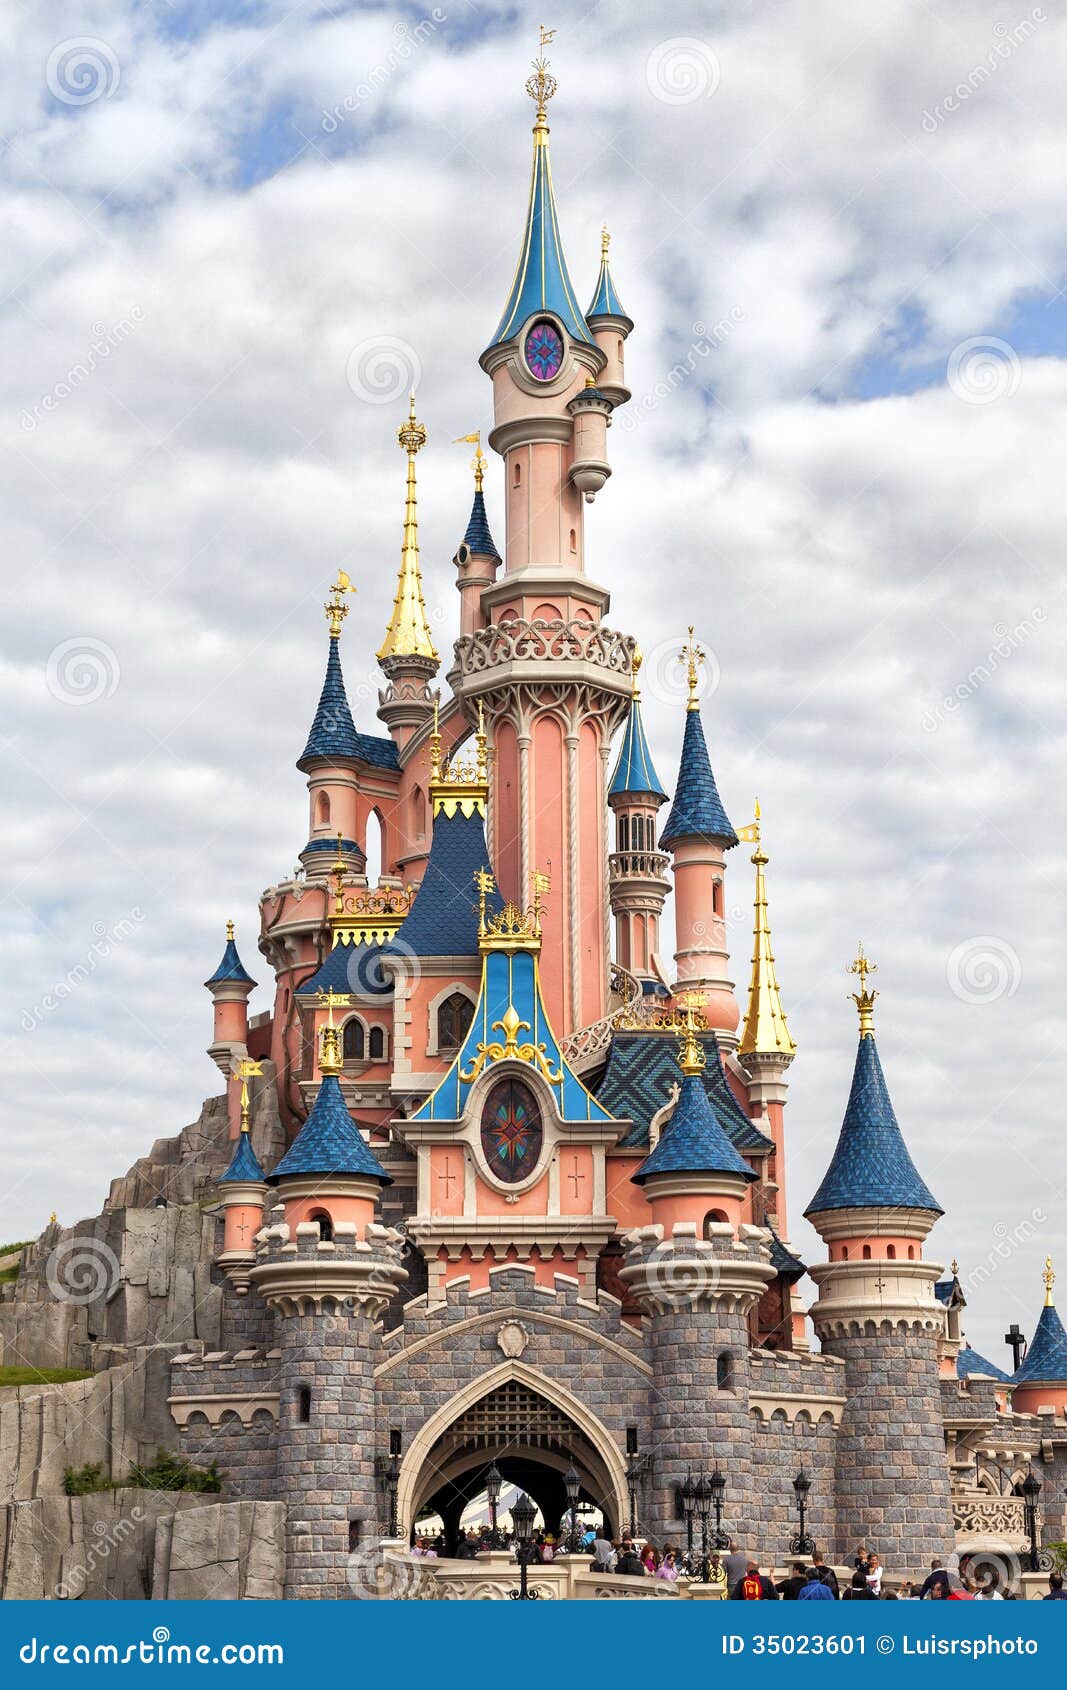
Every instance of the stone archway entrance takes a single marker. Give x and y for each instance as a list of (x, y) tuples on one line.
[(533, 1431)]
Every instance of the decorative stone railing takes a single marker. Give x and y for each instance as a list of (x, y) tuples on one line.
[(585, 1047), (638, 865), (494, 1576), (544, 641), (989, 1516)]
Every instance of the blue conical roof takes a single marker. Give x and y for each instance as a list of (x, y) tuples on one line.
[(871, 1168), (329, 1142), (542, 281), (634, 771), (697, 811), (478, 537), (605, 301), (333, 732), (693, 1140), (230, 968), (443, 920), (244, 1163), (1045, 1361)]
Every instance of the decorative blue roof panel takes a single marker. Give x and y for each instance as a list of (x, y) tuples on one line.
[(641, 1069), (871, 1167), (443, 920), (329, 1142), (697, 811), (693, 1141), (353, 969), (969, 1362), (1045, 1362)]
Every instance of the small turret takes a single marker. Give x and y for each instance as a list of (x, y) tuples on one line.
[(1041, 1379), (330, 755), (637, 871), (241, 1193), (610, 326), (230, 987), (408, 654), (699, 833), (477, 559)]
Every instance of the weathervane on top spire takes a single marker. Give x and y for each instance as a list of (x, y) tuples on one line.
[(692, 655), (542, 84), (478, 460), (1049, 1278), (335, 607), (864, 999)]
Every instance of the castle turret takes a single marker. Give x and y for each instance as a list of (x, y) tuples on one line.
[(611, 327), (698, 834), (766, 1048), (477, 559), (408, 654), (698, 1271), (230, 986), (327, 1270), (637, 871), (1041, 1379), (329, 758), (877, 1312), (241, 1193)]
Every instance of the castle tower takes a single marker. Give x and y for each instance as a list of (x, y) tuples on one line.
[(230, 986), (555, 684), (327, 1270), (637, 872), (877, 1312), (698, 834), (329, 759), (477, 559), (766, 1048), (611, 327), (698, 1271), (408, 654), (1041, 1379), (242, 1191)]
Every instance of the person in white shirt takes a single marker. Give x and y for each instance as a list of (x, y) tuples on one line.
[(874, 1574)]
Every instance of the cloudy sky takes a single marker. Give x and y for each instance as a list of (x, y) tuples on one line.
[(233, 235)]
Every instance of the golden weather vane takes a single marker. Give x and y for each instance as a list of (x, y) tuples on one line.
[(1049, 1278), (245, 1070), (478, 461), (542, 84), (335, 607), (864, 999), (692, 655)]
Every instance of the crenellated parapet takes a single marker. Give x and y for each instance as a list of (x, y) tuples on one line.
[(302, 1273), (726, 1270)]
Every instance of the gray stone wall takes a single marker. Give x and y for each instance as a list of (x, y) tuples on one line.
[(697, 1426), (892, 1482), (782, 1445)]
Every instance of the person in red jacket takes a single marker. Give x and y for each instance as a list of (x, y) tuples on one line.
[(754, 1587)]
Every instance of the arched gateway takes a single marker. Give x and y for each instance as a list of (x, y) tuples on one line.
[(532, 1429)]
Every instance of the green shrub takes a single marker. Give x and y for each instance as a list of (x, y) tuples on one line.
[(174, 1472), (82, 1481)]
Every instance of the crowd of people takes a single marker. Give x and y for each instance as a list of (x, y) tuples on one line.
[(740, 1576)]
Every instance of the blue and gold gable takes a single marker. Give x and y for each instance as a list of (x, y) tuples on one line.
[(510, 1023)]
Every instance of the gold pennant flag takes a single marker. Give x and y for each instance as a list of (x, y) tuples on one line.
[(467, 440)]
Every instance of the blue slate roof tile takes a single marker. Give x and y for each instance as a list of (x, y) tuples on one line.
[(697, 811), (353, 969), (634, 771), (478, 537), (351, 847), (542, 281), (871, 1168), (605, 301), (329, 1142), (1045, 1362), (244, 1163), (230, 968), (693, 1141), (783, 1261), (637, 1082), (443, 920), (333, 733), (969, 1362)]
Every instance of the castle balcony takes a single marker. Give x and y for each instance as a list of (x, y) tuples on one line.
[(988, 1521), (532, 651), (639, 869)]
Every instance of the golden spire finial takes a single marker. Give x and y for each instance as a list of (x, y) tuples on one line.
[(229, 932), (864, 999), (485, 884), (692, 655), (335, 607), (246, 1068), (478, 461), (541, 884), (480, 741), (408, 633), (605, 243), (766, 1030), (435, 740), (1049, 1278), (541, 86), (691, 1058), (330, 1058), (338, 872), (954, 1268), (637, 657)]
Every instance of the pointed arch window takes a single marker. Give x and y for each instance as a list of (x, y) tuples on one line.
[(376, 1044), (453, 1022), (353, 1041)]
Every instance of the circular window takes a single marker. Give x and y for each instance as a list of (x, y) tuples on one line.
[(512, 1133), (544, 350)]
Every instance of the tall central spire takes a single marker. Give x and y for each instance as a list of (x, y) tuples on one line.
[(765, 1026), (408, 634)]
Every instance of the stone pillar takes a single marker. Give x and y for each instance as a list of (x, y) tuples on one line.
[(327, 1298), (698, 1293)]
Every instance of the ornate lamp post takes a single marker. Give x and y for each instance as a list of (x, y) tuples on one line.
[(633, 1465), (717, 1487), (702, 1498), (493, 1481), (802, 1543), (572, 1484), (688, 1494), (388, 1469), (1040, 1560), (522, 1514)]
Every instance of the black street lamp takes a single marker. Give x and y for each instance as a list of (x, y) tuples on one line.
[(688, 1495), (717, 1486), (702, 1497), (572, 1484), (493, 1481), (388, 1468), (523, 1513), (802, 1543), (1040, 1560)]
